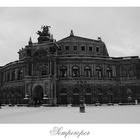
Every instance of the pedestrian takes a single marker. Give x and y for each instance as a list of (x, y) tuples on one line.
[(129, 100)]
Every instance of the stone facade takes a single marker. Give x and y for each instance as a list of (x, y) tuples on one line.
[(60, 72)]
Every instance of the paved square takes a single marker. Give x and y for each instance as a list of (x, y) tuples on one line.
[(93, 114)]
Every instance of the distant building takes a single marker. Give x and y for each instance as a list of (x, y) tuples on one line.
[(60, 72)]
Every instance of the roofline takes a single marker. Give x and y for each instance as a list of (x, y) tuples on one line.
[(81, 38)]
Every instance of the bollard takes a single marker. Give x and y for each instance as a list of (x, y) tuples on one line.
[(136, 102)]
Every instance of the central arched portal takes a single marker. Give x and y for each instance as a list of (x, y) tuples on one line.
[(37, 95), (76, 96)]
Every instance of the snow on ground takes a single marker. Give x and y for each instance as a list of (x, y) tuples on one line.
[(93, 114)]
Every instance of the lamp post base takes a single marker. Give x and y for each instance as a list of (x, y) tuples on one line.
[(82, 108)]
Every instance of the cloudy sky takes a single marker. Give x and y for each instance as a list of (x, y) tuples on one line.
[(119, 28)]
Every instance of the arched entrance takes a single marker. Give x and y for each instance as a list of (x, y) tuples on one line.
[(37, 95), (110, 95), (100, 96), (63, 99), (88, 96), (63, 96), (76, 97)]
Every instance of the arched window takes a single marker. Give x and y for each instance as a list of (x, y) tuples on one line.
[(98, 71), (4, 76), (75, 90), (109, 72), (87, 71), (88, 90), (43, 70), (20, 74), (40, 53), (109, 91), (63, 71), (8, 76), (63, 90), (129, 71), (125, 71), (75, 71), (13, 75)]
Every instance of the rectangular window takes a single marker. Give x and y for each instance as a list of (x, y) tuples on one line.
[(90, 48), (97, 49), (67, 48), (75, 48), (83, 48)]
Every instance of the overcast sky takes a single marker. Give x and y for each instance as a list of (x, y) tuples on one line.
[(119, 28)]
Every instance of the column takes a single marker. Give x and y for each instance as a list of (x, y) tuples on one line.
[(32, 72), (46, 89), (70, 70), (69, 96), (26, 92), (45, 96), (26, 69), (55, 71), (81, 70), (104, 71), (51, 92), (6, 76), (16, 74), (50, 67), (54, 87)]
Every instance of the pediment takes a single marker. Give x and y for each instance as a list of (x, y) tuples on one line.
[(75, 39)]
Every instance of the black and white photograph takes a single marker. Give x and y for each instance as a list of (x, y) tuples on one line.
[(71, 69), (70, 65)]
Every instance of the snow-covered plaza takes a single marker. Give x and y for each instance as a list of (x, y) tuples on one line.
[(93, 114)]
